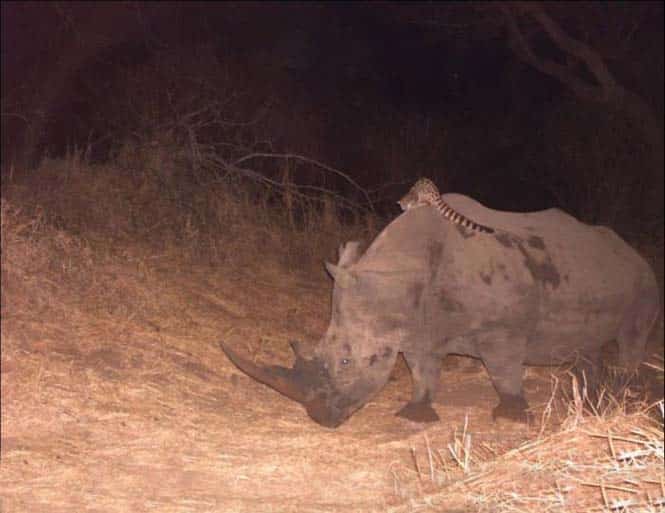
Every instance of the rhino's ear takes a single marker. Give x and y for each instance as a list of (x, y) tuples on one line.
[(349, 253), (341, 276)]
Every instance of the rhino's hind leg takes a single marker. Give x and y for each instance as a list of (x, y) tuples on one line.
[(505, 370), (425, 373), (588, 370), (635, 328), (512, 407)]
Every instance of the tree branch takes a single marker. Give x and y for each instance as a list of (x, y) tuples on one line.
[(605, 87), (310, 161)]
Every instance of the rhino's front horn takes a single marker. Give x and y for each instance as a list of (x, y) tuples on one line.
[(286, 381), (308, 382)]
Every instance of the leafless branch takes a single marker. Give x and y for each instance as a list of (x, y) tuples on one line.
[(15, 115), (606, 85), (260, 178), (292, 156)]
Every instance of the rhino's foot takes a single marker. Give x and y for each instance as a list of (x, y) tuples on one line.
[(513, 407), (421, 411)]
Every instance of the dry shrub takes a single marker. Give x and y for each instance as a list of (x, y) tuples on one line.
[(231, 221)]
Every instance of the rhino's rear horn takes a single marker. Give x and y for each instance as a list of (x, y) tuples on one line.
[(285, 381)]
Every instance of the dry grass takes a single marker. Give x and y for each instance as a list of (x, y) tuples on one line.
[(222, 223), (590, 463), (116, 397)]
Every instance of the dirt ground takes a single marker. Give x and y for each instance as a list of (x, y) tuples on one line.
[(117, 398)]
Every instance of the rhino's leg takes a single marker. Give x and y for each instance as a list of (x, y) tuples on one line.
[(425, 373), (636, 326), (632, 338), (588, 371), (503, 358)]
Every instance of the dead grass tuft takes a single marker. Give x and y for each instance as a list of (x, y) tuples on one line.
[(605, 462)]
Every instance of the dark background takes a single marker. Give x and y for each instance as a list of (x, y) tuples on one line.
[(522, 106)]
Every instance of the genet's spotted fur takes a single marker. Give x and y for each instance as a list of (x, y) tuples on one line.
[(424, 192)]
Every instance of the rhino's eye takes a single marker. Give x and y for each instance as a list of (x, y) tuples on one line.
[(345, 361)]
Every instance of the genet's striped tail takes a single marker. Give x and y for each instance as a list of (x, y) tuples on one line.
[(451, 214)]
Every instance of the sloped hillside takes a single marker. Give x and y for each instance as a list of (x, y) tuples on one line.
[(116, 396)]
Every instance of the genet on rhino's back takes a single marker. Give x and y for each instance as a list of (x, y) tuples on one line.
[(543, 289), (424, 192)]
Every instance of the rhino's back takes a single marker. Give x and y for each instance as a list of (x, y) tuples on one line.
[(592, 254), (519, 223), (572, 243)]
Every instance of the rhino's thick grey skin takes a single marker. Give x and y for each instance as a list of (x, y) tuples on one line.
[(544, 289)]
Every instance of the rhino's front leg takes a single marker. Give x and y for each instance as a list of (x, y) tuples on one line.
[(425, 373)]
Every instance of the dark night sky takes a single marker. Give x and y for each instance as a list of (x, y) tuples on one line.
[(327, 47), (362, 67)]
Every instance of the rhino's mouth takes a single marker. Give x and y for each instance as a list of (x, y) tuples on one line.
[(307, 382)]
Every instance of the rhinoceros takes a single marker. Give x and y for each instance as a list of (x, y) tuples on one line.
[(542, 289)]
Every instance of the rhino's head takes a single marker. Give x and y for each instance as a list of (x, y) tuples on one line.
[(354, 358)]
